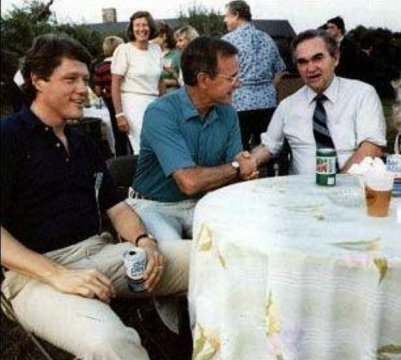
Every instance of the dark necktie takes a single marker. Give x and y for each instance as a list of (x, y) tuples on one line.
[(320, 129)]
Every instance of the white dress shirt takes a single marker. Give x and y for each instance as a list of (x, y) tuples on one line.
[(354, 115)]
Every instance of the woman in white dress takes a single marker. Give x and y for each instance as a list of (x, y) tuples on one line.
[(136, 76)]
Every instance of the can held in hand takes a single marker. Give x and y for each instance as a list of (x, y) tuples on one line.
[(326, 167), (135, 265)]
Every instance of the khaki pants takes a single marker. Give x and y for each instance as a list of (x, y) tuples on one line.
[(88, 328)]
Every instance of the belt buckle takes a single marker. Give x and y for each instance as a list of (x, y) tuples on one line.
[(132, 194)]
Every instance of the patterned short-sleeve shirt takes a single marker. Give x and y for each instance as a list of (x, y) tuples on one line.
[(259, 61)]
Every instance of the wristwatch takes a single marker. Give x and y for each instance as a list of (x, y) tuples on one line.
[(143, 236), (236, 166)]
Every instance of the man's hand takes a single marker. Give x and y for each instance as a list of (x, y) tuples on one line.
[(248, 166), (85, 282), (154, 268), (122, 124)]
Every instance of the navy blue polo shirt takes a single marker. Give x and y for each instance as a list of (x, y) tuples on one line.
[(174, 136), (48, 198)]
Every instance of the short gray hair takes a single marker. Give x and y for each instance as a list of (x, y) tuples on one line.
[(331, 44), (241, 8)]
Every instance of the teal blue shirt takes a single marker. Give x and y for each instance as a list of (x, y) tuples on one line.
[(174, 137)]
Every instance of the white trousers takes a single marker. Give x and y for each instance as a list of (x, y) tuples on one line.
[(89, 328), (134, 106)]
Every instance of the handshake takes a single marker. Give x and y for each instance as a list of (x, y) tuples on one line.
[(248, 165)]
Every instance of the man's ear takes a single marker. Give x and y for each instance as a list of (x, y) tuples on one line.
[(203, 80), (337, 57), (37, 82)]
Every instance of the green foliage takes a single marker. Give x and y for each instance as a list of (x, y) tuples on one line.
[(205, 21), (21, 25)]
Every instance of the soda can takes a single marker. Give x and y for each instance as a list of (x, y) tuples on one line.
[(393, 164), (135, 265), (326, 167)]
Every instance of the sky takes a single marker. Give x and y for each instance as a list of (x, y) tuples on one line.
[(302, 14)]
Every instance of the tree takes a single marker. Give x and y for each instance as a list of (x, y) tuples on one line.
[(205, 21), (20, 25)]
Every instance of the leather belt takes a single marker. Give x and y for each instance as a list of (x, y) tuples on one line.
[(133, 194)]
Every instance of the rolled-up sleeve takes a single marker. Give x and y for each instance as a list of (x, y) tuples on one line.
[(273, 138), (370, 122)]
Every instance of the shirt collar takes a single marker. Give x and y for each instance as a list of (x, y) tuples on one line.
[(34, 123), (331, 92), (189, 109)]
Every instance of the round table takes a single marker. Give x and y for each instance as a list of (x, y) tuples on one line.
[(282, 268)]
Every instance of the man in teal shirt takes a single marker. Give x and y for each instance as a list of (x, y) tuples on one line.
[(190, 141)]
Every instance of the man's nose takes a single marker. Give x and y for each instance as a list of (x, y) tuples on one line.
[(82, 86)]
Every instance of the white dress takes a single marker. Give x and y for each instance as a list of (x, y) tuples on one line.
[(141, 71)]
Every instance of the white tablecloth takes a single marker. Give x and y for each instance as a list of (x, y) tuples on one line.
[(284, 269), (104, 115)]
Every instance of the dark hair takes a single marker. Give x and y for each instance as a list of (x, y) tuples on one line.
[(339, 22), (46, 53), (241, 8), (331, 44), (163, 29), (138, 15), (201, 55)]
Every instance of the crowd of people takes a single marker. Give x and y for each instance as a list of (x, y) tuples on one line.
[(200, 113)]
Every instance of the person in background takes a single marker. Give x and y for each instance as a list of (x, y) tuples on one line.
[(329, 111), (102, 87), (171, 56), (136, 76), (259, 62), (349, 61), (183, 36), (191, 142), (62, 271)]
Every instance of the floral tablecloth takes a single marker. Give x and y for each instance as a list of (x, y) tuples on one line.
[(284, 269)]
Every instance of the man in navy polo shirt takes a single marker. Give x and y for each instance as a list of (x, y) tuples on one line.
[(190, 141), (54, 184)]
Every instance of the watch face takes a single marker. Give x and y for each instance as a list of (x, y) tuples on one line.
[(235, 164)]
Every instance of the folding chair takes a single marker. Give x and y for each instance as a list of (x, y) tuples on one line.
[(9, 312), (287, 85), (122, 170)]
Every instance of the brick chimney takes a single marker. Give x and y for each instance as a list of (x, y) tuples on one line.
[(109, 15)]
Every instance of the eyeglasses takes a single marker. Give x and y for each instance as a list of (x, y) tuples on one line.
[(233, 79)]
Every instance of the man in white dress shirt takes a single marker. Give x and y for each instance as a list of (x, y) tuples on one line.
[(354, 112)]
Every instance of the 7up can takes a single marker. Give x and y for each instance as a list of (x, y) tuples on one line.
[(326, 167)]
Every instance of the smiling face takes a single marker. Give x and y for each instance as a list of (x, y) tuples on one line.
[(221, 88), (141, 29), (61, 97), (315, 64)]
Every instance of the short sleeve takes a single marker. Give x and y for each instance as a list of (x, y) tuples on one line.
[(119, 63)]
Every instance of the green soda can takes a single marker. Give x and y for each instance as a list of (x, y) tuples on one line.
[(326, 167)]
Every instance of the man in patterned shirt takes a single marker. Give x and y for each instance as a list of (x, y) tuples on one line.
[(259, 61)]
